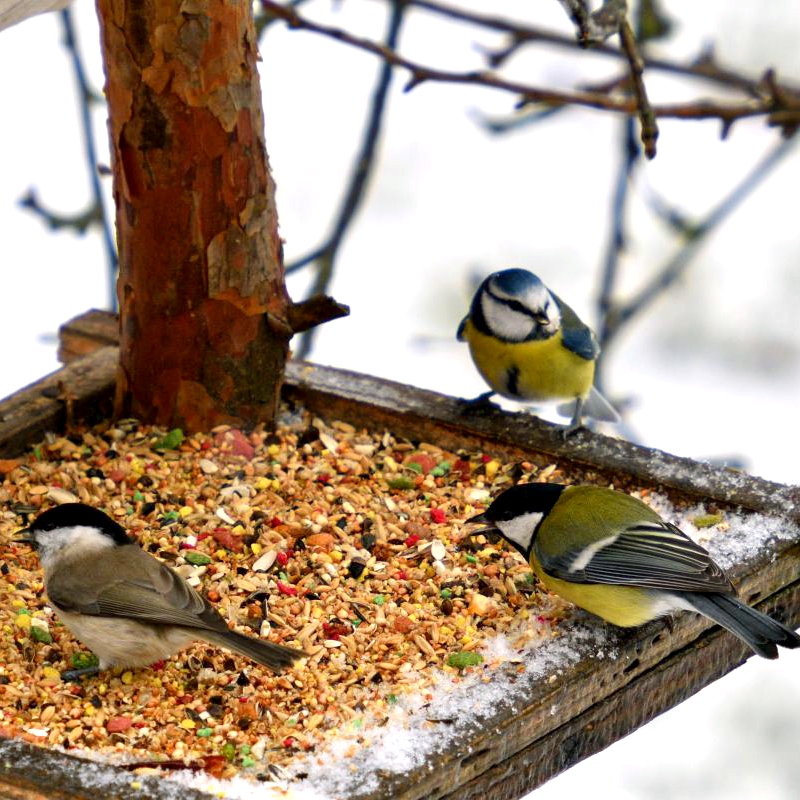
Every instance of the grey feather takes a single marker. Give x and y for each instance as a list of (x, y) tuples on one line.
[(649, 555), (759, 631)]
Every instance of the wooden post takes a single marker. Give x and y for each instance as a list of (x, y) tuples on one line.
[(203, 305)]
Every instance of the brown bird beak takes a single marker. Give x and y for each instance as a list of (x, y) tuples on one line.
[(25, 536)]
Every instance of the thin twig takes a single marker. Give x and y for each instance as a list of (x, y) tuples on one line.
[(676, 266), (647, 118), (86, 99), (364, 164), (727, 113), (704, 67), (617, 238)]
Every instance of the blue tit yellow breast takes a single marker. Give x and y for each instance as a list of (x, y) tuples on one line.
[(541, 369), (626, 606)]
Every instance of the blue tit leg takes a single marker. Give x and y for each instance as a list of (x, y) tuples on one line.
[(576, 423), (480, 404)]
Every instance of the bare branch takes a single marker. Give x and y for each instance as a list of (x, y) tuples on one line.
[(314, 311), (647, 118), (87, 97), (676, 266), (95, 213), (784, 116)]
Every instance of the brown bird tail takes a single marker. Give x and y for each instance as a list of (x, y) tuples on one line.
[(276, 657)]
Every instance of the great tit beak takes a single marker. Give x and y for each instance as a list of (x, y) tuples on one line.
[(481, 519)]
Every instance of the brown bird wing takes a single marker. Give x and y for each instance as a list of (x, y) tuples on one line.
[(131, 584)]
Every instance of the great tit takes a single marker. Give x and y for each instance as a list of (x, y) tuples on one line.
[(612, 555), (530, 346), (122, 603)]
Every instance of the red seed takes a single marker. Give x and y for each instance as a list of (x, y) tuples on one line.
[(462, 467), (412, 540), (425, 461), (403, 624), (437, 515), (228, 540), (282, 558), (287, 588)]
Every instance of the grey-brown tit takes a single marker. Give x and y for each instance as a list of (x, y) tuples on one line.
[(125, 605)]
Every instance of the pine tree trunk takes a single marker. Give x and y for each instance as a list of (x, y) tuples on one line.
[(203, 305)]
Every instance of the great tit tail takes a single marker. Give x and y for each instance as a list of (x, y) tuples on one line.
[(276, 657), (759, 631)]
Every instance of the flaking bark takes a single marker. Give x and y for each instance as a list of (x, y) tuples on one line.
[(203, 305)]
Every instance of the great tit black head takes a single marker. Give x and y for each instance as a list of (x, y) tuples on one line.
[(517, 513)]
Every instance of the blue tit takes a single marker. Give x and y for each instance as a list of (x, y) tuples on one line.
[(612, 555), (530, 346)]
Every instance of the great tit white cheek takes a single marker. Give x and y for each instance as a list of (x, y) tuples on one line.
[(520, 529)]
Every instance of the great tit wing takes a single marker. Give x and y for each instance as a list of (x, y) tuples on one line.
[(460, 332), (134, 585), (577, 336), (653, 555)]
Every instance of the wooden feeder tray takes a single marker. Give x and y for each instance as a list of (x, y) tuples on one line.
[(557, 722)]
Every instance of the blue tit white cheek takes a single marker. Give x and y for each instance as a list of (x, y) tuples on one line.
[(68, 543), (505, 322), (520, 529)]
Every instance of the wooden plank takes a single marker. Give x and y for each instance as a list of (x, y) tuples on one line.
[(596, 701), (81, 390), (28, 772), (671, 681), (86, 333), (419, 414)]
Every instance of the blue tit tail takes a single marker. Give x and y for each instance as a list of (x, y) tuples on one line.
[(594, 406), (759, 631)]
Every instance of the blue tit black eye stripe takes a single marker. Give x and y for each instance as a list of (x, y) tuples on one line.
[(516, 321)]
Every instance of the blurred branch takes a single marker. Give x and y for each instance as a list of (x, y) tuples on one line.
[(618, 238), (263, 19), (778, 102), (620, 314), (95, 214), (325, 257)]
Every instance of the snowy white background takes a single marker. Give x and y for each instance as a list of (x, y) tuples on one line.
[(713, 369)]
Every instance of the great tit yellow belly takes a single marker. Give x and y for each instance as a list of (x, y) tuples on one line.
[(529, 345), (613, 556)]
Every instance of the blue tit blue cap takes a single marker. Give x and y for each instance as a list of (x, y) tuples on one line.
[(515, 281)]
